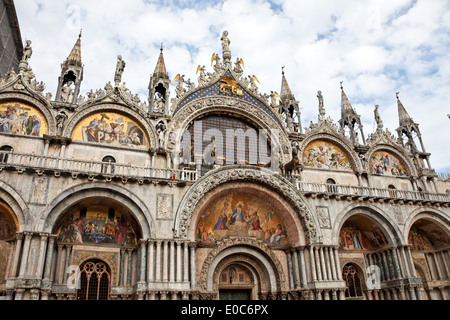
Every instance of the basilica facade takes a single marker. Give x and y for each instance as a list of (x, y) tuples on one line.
[(213, 191)]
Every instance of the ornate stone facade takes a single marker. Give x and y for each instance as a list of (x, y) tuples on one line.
[(125, 185)]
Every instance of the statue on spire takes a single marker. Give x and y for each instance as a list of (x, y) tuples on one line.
[(120, 67), (378, 119), (226, 53), (321, 107)]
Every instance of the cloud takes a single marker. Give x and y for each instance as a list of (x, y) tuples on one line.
[(376, 47)]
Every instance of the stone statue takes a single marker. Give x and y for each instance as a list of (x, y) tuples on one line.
[(27, 51), (60, 119), (378, 118), (120, 67), (321, 107), (225, 42), (161, 130), (159, 103), (67, 92)]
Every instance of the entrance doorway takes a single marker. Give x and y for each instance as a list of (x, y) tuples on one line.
[(236, 282), (235, 294)]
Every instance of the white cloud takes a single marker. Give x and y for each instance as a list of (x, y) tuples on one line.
[(376, 47)]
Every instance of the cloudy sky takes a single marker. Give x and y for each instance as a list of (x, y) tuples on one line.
[(375, 47)]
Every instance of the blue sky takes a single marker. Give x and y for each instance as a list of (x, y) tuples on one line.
[(376, 47)]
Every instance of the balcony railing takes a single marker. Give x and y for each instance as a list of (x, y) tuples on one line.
[(109, 170), (22, 161), (367, 193)]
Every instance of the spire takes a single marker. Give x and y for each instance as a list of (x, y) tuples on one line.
[(346, 107), (74, 57), (160, 69), (285, 92), (403, 116)]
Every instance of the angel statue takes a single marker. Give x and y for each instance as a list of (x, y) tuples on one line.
[(238, 65), (202, 77), (27, 51), (253, 87), (179, 89), (120, 67)]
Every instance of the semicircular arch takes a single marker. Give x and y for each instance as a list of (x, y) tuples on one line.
[(256, 250), (118, 110), (17, 205), (186, 214), (33, 107), (436, 216), (74, 195), (387, 226), (334, 141), (396, 152), (233, 107)]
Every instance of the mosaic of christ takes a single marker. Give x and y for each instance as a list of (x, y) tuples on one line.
[(244, 215)]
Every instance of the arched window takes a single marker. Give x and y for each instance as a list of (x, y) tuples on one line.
[(94, 280), (353, 281), (392, 193), (107, 166), (4, 151), (224, 140), (331, 186)]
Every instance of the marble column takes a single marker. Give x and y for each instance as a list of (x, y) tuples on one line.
[(438, 267), (412, 293), (333, 265), (303, 268), (178, 266), (396, 263), (25, 252), (172, 262), (328, 262), (445, 264), (318, 266), (129, 265), (42, 250), (122, 267), (313, 264), (410, 261), (295, 269), (290, 269), (17, 249), (66, 262), (150, 261), (404, 261), (165, 260), (142, 265), (158, 261), (193, 267), (58, 264), (338, 266), (322, 264), (186, 261)]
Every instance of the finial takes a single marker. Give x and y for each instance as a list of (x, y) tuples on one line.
[(342, 88), (282, 70), (396, 94), (79, 36), (161, 47)]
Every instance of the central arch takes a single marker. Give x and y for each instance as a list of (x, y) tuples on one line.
[(266, 269), (280, 191)]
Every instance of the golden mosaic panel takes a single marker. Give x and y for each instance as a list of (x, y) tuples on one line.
[(242, 215), (326, 155), (110, 128), (383, 162), (22, 119)]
